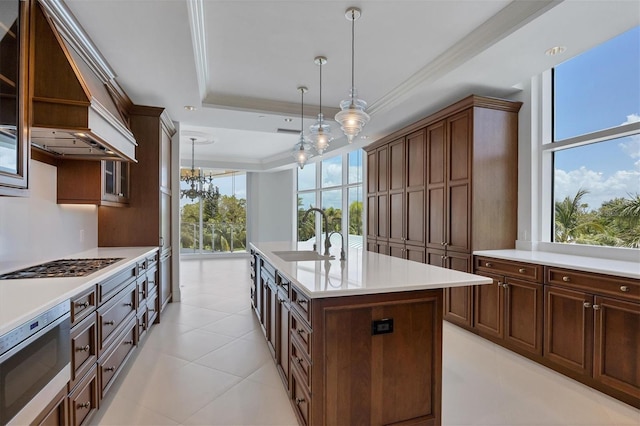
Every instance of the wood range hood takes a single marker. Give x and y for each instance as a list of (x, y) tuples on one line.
[(74, 112)]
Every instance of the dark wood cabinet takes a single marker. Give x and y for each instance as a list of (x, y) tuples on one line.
[(147, 220), (14, 78), (103, 183), (510, 311)]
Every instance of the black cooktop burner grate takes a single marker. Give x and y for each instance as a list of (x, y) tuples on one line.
[(62, 268)]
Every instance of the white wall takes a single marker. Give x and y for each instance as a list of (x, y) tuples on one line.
[(270, 204), (35, 228)]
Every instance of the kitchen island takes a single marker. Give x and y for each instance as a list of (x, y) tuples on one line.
[(356, 341)]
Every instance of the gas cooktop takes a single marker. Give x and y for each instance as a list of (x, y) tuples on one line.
[(62, 268)]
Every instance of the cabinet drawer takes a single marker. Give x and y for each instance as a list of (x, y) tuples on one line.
[(113, 285), (152, 280), (141, 292), (301, 304), (623, 288), (84, 350), (300, 362), (152, 259), (112, 314), (109, 366), (141, 266), (506, 267), (301, 400), (284, 283), (142, 323), (152, 308), (83, 401), (301, 334), (82, 305)]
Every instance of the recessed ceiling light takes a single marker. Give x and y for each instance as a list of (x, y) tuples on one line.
[(556, 50), (190, 108), (288, 120)]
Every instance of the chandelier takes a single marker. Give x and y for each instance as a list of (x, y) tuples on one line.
[(320, 132), (352, 117), (200, 186), (302, 150)]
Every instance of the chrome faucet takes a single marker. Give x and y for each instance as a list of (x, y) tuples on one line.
[(327, 243), (343, 256)]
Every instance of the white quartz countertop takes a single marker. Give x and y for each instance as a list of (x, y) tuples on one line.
[(363, 272), (581, 263), (23, 299)]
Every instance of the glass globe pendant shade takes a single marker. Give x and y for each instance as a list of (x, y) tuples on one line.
[(320, 136), (302, 151), (352, 117)]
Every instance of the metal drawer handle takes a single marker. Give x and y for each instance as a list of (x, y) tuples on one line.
[(299, 401), (82, 305), (566, 279), (624, 288), (302, 302), (109, 322), (152, 282), (85, 405), (300, 331), (128, 304), (488, 265), (596, 307), (83, 349), (522, 270), (152, 310), (586, 304), (129, 342), (109, 369)]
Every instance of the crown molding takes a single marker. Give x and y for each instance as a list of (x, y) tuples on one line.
[(511, 18)]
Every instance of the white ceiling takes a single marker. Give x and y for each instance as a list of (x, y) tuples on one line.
[(239, 62)]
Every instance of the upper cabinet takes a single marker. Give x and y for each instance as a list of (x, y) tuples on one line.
[(14, 145)]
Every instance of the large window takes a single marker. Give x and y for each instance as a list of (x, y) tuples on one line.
[(335, 186), (595, 145), (218, 227)]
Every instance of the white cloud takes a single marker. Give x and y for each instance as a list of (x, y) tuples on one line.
[(632, 118), (620, 184)]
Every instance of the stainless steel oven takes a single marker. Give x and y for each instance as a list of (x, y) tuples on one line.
[(34, 365)]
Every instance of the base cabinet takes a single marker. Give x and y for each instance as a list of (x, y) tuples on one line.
[(584, 325)]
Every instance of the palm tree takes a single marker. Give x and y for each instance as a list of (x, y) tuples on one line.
[(573, 224)]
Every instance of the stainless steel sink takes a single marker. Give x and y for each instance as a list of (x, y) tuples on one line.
[(300, 255)]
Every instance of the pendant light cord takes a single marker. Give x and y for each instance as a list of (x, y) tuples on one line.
[(353, 55), (301, 113), (321, 87), (193, 155)]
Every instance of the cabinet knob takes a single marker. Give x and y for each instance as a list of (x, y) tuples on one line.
[(446, 257), (299, 360), (596, 307), (441, 243), (586, 304), (109, 369), (120, 194), (82, 304), (566, 279), (488, 265), (505, 285), (499, 283), (522, 270), (299, 401), (624, 288), (83, 349), (442, 257), (445, 244), (84, 405), (109, 322)]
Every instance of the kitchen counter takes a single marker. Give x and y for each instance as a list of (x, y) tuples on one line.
[(363, 272), (582, 263), (23, 299)]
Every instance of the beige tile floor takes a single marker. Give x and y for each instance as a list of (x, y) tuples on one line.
[(208, 364)]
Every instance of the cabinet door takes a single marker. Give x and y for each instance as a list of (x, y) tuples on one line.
[(282, 338), (489, 307), (436, 196), (372, 172), (165, 280), (568, 329), (14, 157), (372, 221), (524, 315), (458, 182), (458, 301), (396, 191), (617, 345), (272, 318), (383, 219), (382, 183), (415, 253), (397, 250), (165, 221), (415, 215), (435, 257)]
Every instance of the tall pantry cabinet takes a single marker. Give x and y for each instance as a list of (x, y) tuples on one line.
[(147, 219), (445, 186)]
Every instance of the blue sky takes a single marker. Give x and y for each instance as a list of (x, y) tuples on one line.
[(597, 90)]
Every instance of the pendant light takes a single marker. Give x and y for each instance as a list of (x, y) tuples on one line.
[(320, 131), (302, 151), (200, 186), (352, 117)]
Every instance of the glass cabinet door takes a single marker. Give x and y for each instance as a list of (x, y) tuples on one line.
[(13, 141)]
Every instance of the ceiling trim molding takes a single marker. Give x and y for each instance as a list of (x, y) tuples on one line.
[(198, 40), (511, 18), (268, 106)]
